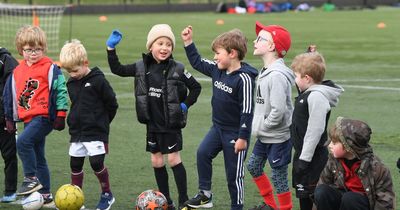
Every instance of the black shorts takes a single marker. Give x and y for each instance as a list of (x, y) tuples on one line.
[(163, 142)]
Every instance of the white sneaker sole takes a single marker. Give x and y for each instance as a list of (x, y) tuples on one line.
[(205, 206), (31, 191), (110, 204)]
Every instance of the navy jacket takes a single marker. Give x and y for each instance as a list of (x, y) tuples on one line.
[(232, 100)]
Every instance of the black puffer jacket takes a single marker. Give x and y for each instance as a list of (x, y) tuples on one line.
[(175, 89), (7, 65), (175, 85)]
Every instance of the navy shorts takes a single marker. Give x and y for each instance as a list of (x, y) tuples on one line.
[(163, 142), (278, 154)]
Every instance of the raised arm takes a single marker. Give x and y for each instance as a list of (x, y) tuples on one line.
[(113, 60)]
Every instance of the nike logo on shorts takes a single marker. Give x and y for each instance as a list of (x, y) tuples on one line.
[(170, 147), (274, 161)]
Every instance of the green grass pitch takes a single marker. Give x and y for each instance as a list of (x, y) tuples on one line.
[(360, 57)]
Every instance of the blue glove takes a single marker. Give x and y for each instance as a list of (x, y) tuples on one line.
[(184, 107), (114, 38)]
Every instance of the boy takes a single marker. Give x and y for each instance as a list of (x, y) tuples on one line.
[(93, 107), (310, 118), (162, 103), (8, 146), (232, 108), (35, 93), (354, 177), (272, 117)]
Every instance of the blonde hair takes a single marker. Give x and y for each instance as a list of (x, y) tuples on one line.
[(32, 36), (311, 64), (73, 54), (231, 40)]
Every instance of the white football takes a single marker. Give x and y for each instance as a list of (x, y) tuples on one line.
[(33, 202)]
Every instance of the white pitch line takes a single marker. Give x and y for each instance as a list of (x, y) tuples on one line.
[(371, 87), (369, 80), (367, 87)]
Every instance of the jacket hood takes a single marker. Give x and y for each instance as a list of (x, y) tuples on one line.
[(94, 72), (246, 68), (354, 135), (4, 51), (330, 90), (279, 66)]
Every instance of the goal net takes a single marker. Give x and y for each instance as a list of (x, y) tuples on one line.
[(14, 16)]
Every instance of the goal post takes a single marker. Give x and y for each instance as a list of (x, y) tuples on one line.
[(14, 16)]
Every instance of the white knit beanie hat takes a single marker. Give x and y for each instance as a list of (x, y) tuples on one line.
[(158, 31)]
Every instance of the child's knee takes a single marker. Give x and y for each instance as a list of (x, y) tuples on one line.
[(253, 169), (97, 162), (254, 166), (157, 160), (174, 159)]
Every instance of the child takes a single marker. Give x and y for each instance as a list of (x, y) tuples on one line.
[(93, 107), (398, 163), (232, 108), (8, 146), (162, 103), (272, 117), (36, 94), (309, 121), (354, 177)]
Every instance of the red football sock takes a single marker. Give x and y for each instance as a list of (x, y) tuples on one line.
[(285, 201), (266, 191)]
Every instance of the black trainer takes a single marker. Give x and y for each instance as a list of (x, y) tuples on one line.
[(29, 185), (262, 206), (48, 201), (200, 201)]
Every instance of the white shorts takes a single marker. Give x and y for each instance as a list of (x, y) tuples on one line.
[(83, 149)]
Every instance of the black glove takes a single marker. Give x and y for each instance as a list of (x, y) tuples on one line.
[(10, 125), (300, 167), (398, 163)]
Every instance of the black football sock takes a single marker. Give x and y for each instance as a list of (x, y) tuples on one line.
[(181, 182), (161, 175), (305, 204)]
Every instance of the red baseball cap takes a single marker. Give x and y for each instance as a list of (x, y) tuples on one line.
[(280, 36)]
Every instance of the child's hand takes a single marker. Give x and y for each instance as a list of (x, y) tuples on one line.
[(312, 48), (187, 35), (11, 128), (241, 144), (300, 166), (114, 38), (59, 123), (184, 107)]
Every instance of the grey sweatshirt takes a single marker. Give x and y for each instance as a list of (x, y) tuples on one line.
[(273, 108), (320, 101)]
